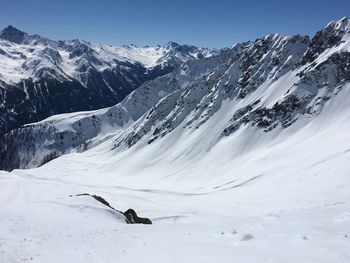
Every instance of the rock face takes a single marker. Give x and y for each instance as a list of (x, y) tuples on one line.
[(40, 77), (331, 36), (133, 218), (268, 85), (14, 35)]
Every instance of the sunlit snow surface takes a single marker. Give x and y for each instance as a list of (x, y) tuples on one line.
[(282, 196), (250, 196)]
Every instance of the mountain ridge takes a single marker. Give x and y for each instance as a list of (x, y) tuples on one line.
[(40, 77), (266, 85)]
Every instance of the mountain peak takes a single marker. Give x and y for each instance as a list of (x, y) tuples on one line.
[(172, 44), (330, 36), (343, 23), (13, 34), (340, 25), (344, 19)]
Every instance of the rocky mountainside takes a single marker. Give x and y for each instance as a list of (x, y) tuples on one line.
[(271, 86), (40, 77), (58, 134)]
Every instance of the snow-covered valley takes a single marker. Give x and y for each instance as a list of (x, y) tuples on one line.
[(282, 201), (239, 157)]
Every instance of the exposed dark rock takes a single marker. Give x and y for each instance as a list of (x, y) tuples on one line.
[(266, 118), (133, 218), (13, 34), (328, 37), (130, 215)]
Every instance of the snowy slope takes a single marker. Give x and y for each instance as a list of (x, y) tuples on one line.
[(244, 199), (245, 162)]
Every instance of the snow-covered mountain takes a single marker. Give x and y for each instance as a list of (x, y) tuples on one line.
[(61, 133), (232, 157), (40, 77), (266, 85)]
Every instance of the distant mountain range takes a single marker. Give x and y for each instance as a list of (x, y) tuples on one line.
[(40, 77), (274, 84)]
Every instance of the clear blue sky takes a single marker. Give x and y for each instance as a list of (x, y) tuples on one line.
[(217, 23)]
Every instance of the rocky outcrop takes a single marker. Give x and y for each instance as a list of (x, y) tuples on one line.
[(130, 215)]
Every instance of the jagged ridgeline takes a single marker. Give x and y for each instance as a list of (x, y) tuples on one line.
[(265, 86)]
